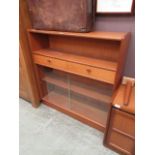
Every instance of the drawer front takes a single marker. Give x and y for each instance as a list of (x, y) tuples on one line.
[(83, 70), (121, 143), (92, 72), (50, 62), (42, 60), (123, 122)]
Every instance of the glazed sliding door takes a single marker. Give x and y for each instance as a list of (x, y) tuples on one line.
[(90, 98), (83, 97), (56, 87)]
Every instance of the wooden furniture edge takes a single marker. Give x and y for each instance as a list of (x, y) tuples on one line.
[(68, 67), (103, 64), (122, 58), (119, 98), (76, 116), (23, 94), (23, 25), (115, 36), (111, 146), (109, 118)]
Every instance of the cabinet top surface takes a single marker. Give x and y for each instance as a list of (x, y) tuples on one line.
[(118, 36), (119, 100)]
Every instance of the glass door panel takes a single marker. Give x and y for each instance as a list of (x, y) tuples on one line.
[(90, 98), (57, 84)]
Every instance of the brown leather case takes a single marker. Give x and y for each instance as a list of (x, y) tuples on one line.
[(62, 15)]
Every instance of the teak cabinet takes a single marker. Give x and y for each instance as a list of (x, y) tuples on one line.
[(78, 72), (27, 84), (120, 131), (23, 80)]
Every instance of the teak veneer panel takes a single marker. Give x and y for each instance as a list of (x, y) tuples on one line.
[(74, 68), (23, 79), (110, 47), (120, 135), (121, 60), (123, 122), (99, 63), (121, 143), (120, 130), (95, 35), (24, 24), (87, 47)]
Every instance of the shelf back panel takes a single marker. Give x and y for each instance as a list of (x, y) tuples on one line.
[(38, 41), (101, 49)]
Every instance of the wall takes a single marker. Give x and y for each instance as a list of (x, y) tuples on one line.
[(118, 24)]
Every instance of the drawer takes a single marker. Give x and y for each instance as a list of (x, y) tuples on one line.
[(121, 143), (123, 122), (42, 60), (51, 62), (92, 72), (83, 70)]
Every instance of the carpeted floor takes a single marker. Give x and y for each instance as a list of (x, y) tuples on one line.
[(45, 131)]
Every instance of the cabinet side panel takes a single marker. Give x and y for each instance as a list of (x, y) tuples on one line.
[(121, 60), (24, 23), (23, 79)]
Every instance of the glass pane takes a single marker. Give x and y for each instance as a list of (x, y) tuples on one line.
[(57, 87), (90, 98)]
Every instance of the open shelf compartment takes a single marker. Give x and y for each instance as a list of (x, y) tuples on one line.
[(103, 52)]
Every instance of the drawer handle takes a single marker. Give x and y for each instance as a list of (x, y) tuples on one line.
[(88, 70), (49, 61), (127, 93)]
